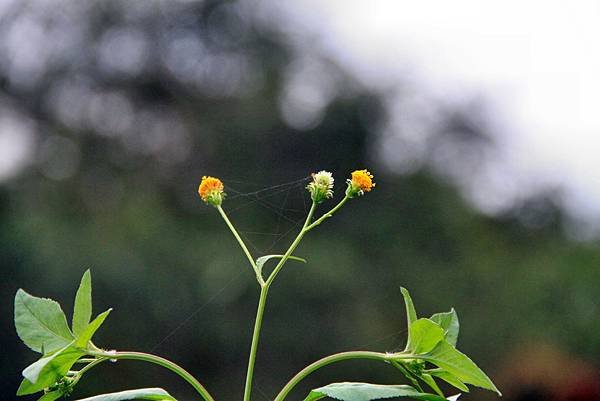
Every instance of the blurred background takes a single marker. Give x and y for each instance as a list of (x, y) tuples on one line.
[(479, 121)]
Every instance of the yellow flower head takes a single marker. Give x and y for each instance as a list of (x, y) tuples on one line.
[(321, 187), (361, 181), (211, 190)]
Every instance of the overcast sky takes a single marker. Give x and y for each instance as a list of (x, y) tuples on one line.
[(537, 62)]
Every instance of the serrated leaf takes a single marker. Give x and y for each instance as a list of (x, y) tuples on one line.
[(87, 334), (48, 370), (449, 322), (155, 394), (449, 378), (349, 391), (41, 323), (423, 336), (82, 310), (260, 262), (447, 357)]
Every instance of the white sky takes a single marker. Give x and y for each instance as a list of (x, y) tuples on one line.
[(538, 61)]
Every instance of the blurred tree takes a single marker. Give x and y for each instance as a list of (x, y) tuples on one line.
[(128, 104)]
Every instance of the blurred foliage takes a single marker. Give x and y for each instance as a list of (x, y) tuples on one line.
[(123, 135)]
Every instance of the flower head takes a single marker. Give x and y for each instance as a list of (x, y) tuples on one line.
[(321, 187), (361, 181), (211, 190)]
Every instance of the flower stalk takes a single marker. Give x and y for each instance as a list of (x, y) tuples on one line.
[(320, 189), (240, 241)]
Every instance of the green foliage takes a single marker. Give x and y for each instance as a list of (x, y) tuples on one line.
[(426, 377), (430, 341), (448, 378), (430, 351), (449, 322), (87, 334), (49, 370), (154, 394), (411, 314), (423, 336), (41, 323), (446, 357), (42, 326), (433, 340), (82, 310), (52, 395), (367, 392)]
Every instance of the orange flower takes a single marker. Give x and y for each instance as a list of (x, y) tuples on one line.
[(361, 182), (211, 190)]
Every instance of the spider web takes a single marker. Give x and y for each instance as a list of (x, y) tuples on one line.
[(286, 205)]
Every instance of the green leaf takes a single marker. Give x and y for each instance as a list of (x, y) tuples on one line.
[(449, 322), (157, 394), (449, 378), (366, 392), (52, 395), (82, 311), (447, 357), (48, 370), (87, 334), (423, 336), (260, 262), (41, 323), (431, 383), (411, 314)]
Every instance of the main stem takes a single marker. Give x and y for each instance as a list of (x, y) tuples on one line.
[(262, 301), (165, 363)]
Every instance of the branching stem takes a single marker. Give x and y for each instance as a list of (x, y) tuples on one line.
[(157, 360), (342, 356)]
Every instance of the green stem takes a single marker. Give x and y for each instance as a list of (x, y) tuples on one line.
[(262, 303), (408, 374), (328, 214), (292, 247), (92, 362), (266, 285), (91, 365), (255, 337), (165, 363), (261, 281), (342, 356)]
